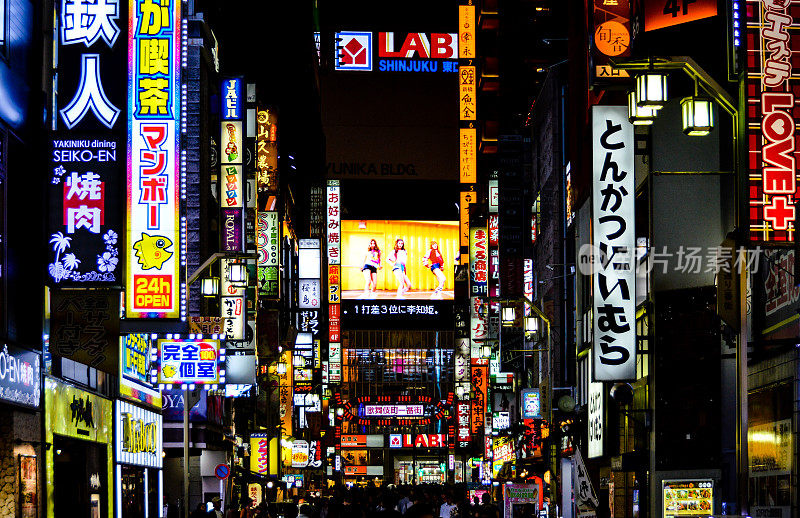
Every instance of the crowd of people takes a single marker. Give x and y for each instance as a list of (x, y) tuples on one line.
[(421, 501)]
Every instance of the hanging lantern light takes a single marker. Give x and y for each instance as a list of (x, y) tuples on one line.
[(638, 115), (209, 287), (698, 116), (237, 274), (508, 315), (651, 90)]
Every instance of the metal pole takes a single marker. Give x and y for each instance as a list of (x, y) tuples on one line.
[(186, 453), (414, 455), (741, 396)]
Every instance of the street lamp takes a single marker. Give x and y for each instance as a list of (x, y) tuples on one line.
[(237, 274), (638, 115), (697, 114), (509, 315), (531, 326), (651, 90), (209, 286)]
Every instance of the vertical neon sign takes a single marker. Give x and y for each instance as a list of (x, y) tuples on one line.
[(154, 237)]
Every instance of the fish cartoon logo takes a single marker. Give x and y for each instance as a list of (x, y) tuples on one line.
[(152, 251)]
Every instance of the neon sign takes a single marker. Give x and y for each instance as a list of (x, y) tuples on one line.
[(155, 251), (771, 127)]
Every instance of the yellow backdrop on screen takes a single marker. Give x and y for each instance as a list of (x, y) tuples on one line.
[(417, 236)]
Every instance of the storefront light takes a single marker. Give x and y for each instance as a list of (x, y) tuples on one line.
[(697, 114), (280, 368), (651, 90), (638, 115), (209, 287)]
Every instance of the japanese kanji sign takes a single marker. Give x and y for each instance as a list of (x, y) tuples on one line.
[(480, 395), (334, 223), (85, 223), (232, 306), (466, 31), (479, 260), (91, 59), (479, 325), (614, 241), (84, 326), (466, 199), (266, 152), (87, 155), (183, 361), (468, 93), (154, 180), (468, 155), (772, 88), (612, 35)]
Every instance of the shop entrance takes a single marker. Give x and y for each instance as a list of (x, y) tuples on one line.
[(79, 478)]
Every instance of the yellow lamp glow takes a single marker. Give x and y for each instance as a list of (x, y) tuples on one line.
[(697, 114), (651, 90)]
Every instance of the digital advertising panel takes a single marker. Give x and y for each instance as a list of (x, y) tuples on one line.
[(398, 259), (154, 242), (531, 404), (397, 271)]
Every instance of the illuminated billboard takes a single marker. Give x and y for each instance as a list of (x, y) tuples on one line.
[(693, 498), (396, 52), (154, 243), (188, 362), (398, 259), (134, 369), (259, 453), (771, 127), (613, 219), (87, 153)]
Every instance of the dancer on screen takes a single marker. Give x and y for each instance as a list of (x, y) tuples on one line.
[(372, 263), (398, 258), (435, 261)]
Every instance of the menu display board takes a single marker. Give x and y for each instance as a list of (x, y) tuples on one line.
[(688, 498)]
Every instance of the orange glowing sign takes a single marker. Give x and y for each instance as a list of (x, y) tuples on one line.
[(466, 31), (666, 13), (468, 100), (468, 160), (612, 38)]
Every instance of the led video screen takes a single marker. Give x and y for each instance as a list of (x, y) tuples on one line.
[(387, 260)]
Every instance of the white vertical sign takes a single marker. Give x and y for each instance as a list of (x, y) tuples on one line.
[(614, 241), (596, 419)]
